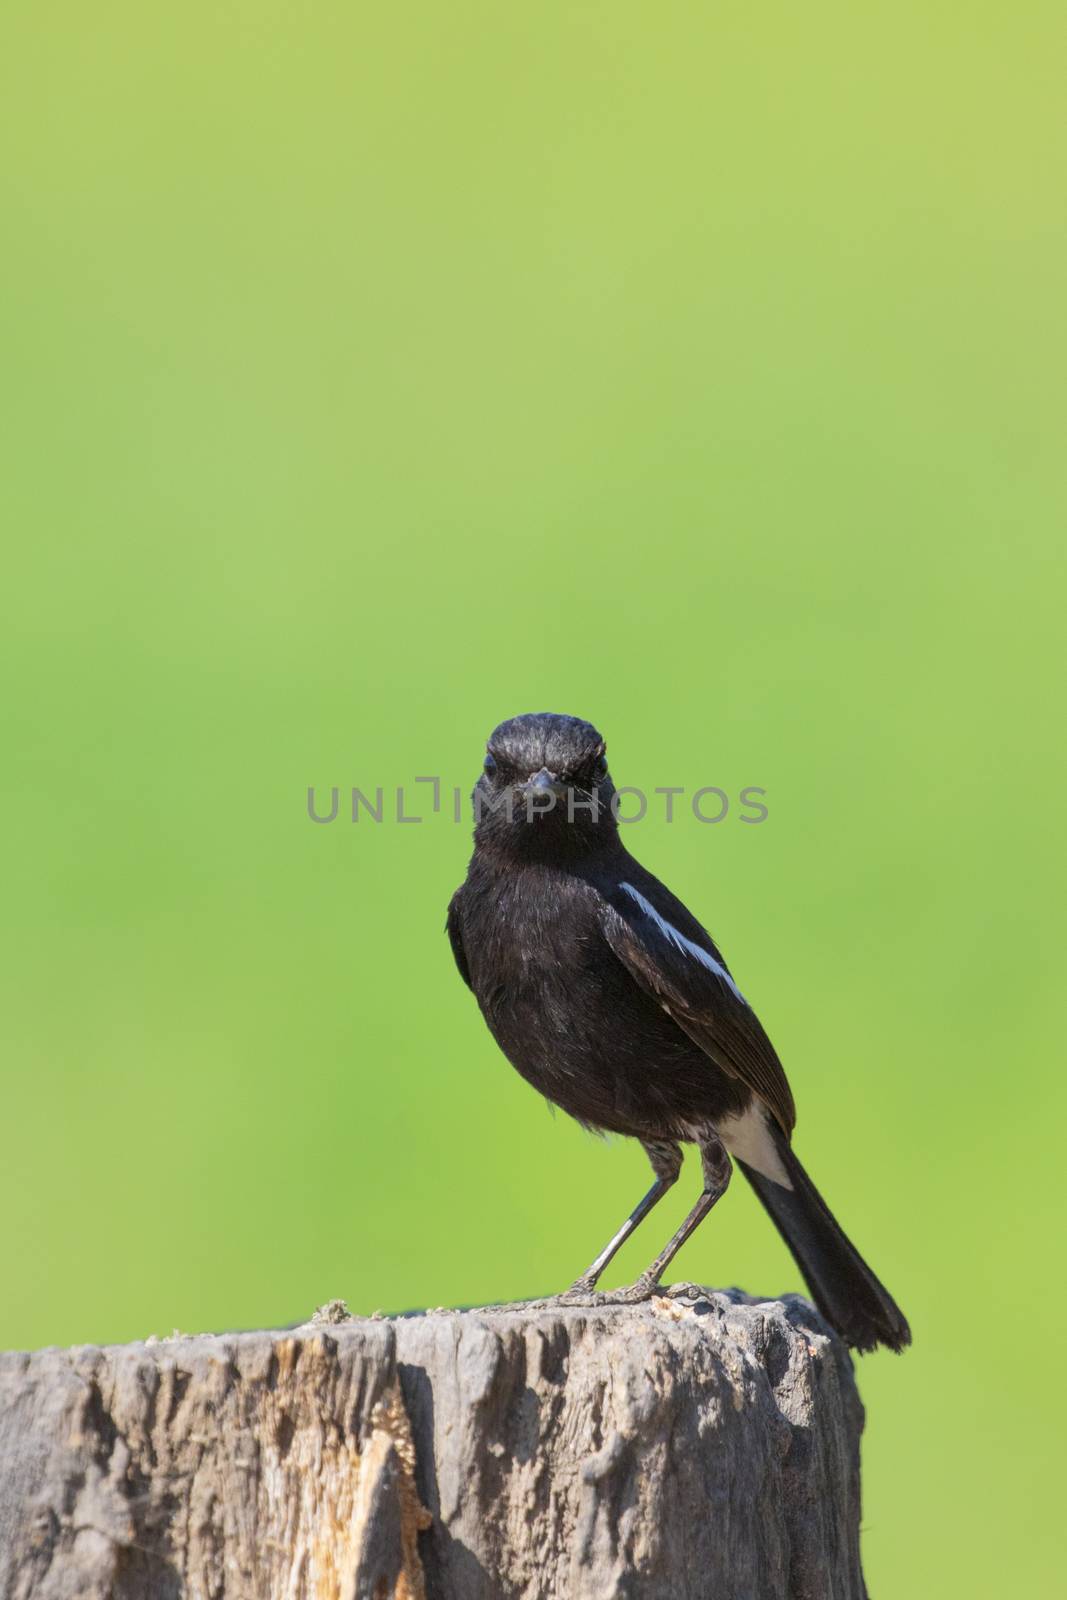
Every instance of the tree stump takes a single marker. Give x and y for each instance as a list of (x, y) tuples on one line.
[(699, 1446)]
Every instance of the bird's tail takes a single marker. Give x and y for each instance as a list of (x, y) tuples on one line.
[(842, 1285)]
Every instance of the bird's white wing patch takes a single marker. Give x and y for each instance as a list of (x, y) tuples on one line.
[(749, 1137), (680, 942)]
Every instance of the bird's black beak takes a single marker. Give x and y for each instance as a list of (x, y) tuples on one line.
[(543, 782)]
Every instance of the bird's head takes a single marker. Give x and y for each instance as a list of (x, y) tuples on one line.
[(544, 783)]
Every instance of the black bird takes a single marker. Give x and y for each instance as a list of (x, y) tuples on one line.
[(609, 997)]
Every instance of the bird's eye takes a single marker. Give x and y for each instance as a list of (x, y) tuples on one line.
[(489, 763)]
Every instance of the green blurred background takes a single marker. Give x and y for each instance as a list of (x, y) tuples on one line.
[(372, 375)]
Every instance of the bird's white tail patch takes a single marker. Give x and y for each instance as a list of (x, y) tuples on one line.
[(749, 1137)]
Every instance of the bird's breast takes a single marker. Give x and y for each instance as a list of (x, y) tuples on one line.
[(566, 1013), (540, 968)]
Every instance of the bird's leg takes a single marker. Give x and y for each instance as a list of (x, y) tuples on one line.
[(666, 1159), (716, 1168)]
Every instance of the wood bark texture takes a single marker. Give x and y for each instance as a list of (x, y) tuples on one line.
[(698, 1446)]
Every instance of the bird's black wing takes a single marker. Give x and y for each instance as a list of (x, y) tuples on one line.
[(455, 939), (673, 959)]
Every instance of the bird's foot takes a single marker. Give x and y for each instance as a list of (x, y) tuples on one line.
[(633, 1293), (583, 1292)]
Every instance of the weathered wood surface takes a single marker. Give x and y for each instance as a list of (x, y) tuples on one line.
[(696, 1447)]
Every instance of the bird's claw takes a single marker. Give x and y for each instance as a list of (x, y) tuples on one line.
[(583, 1293), (633, 1293)]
